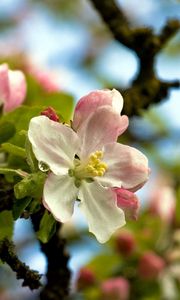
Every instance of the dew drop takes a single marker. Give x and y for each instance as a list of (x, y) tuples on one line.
[(43, 166)]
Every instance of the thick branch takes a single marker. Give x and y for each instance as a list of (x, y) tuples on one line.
[(30, 278), (58, 274), (146, 88)]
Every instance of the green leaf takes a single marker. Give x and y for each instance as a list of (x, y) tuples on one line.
[(31, 159), (19, 206), (31, 185), (13, 149), (7, 130), (6, 224), (20, 118), (47, 227)]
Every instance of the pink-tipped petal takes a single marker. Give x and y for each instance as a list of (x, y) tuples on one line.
[(59, 196), (127, 167), (17, 85), (4, 83), (53, 143), (91, 102), (128, 202), (102, 127), (100, 208)]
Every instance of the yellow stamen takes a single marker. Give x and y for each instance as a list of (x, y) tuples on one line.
[(91, 168)]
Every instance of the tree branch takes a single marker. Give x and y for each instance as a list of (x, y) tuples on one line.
[(30, 278), (58, 274), (146, 88)]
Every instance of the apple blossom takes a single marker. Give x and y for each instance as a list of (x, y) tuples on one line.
[(87, 164), (12, 88)]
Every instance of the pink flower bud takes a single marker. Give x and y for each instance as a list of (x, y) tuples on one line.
[(128, 202), (150, 265), (85, 278), (50, 113), (125, 243), (115, 289), (12, 88)]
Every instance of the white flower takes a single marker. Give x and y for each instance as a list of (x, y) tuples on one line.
[(86, 165)]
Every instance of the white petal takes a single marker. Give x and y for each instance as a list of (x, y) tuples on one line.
[(53, 143), (117, 100), (100, 208), (127, 167), (59, 196)]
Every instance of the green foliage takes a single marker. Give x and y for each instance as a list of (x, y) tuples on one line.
[(13, 149), (47, 227), (19, 206), (31, 185), (20, 118), (30, 157), (7, 130), (104, 265), (6, 224)]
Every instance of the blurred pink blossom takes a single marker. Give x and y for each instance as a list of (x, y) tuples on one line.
[(150, 265), (162, 202), (85, 278), (125, 243), (48, 80), (12, 88), (115, 289)]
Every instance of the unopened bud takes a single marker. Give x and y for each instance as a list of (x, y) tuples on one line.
[(125, 243), (150, 265), (115, 289), (85, 278), (128, 202), (50, 113)]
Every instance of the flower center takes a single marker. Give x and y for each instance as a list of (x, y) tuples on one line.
[(91, 168)]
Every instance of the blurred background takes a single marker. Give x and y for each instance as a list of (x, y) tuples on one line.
[(68, 42)]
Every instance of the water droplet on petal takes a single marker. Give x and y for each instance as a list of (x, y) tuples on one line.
[(43, 166)]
